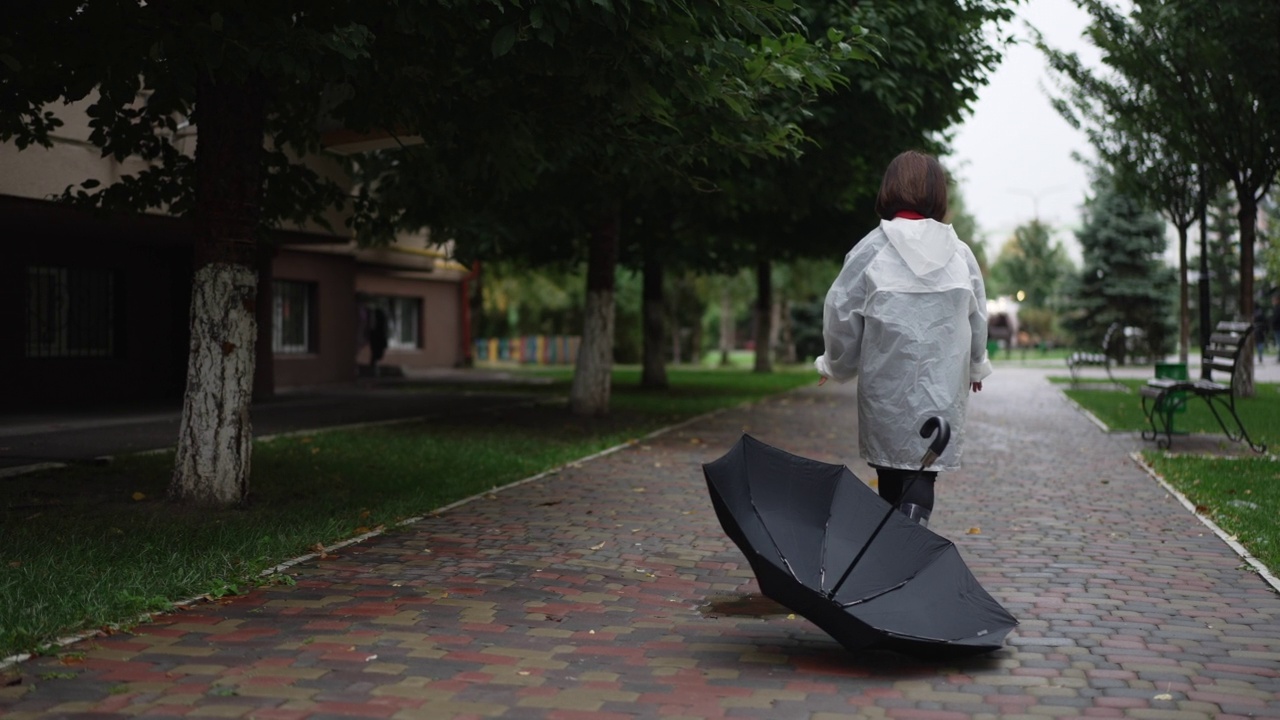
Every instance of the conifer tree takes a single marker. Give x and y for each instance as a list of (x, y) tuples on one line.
[(1123, 278)]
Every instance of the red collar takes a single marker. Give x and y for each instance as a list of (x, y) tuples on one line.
[(908, 214)]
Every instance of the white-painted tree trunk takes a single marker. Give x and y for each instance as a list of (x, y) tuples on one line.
[(592, 377), (215, 437)]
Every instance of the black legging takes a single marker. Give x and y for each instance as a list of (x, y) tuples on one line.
[(918, 485)]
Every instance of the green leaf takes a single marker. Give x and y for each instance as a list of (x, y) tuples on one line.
[(504, 40)]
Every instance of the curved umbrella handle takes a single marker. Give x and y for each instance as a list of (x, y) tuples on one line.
[(943, 429)]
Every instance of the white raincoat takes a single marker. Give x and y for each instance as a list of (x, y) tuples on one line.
[(907, 316)]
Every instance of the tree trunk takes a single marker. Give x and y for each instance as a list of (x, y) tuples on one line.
[(592, 375), (785, 331), (215, 436), (654, 373), (1248, 216), (764, 317), (726, 324), (1184, 298)]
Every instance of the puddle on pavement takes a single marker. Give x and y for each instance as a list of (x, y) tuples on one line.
[(749, 605)]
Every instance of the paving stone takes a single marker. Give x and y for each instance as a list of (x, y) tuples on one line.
[(585, 594)]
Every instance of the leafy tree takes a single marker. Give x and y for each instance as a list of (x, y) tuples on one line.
[(1031, 266), (1123, 278), (694, 90), (253, 80), (1213, 76), (932, 57), (1151, 155), (595, 84), (966, 227)]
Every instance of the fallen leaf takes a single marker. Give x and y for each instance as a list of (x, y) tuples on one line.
[(522, 672), (1163, 696), (371, 658), (695, 441), (975, 531), (139, 496), (15, 564), (597, 547), (361, 530), (639, 489)]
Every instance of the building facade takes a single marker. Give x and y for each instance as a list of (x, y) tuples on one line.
[(94, 308)]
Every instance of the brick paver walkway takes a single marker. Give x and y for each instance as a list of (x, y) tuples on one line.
[(609, 591)]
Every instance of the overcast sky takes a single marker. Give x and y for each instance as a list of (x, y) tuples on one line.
[(1012, 156)]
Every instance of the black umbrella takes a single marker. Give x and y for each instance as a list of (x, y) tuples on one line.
[(828, 547)]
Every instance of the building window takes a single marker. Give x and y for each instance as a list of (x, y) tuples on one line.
[(404, 320), (292, 320), (70, 312)]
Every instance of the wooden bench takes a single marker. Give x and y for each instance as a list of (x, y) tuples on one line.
[(1078, 360), (1162, 397)]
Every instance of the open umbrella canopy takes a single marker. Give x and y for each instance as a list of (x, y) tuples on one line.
[(827, 546)]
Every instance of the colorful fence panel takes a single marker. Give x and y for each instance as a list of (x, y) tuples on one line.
[(529, 349)]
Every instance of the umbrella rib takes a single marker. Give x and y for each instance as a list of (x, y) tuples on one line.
[(861, 553), (869, 598), (764, 526), (932, 561)]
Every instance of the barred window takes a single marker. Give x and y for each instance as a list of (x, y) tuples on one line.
[(70, 312), (292, 317)]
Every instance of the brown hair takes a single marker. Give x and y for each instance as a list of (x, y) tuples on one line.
[(916, 182)]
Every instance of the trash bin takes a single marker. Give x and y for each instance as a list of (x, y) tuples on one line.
[(1174, 371)]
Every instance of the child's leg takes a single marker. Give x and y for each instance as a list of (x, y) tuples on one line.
[(917, 495), (889, 484)]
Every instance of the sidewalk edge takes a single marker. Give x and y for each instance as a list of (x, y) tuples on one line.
[(1226, 537)]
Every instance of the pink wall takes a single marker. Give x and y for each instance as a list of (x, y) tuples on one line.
[(440, 329), (334, 358)]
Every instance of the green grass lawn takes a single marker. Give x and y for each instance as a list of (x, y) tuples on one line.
[(1242, 495), (87, 546)]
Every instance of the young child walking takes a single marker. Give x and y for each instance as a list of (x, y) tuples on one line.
[(907, 317)]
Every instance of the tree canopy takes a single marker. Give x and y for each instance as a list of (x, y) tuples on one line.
[(1123, 278), (1190, 103)]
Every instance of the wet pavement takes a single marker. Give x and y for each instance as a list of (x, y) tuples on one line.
[(608, 590)]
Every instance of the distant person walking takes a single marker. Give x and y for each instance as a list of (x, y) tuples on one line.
[(907, 317), (378, 330)]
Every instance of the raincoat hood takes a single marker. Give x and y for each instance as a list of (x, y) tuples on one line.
[(907, 317), (925, 245)]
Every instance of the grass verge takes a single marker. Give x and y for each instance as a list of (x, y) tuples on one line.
[(1240, 494), (88, 546)]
